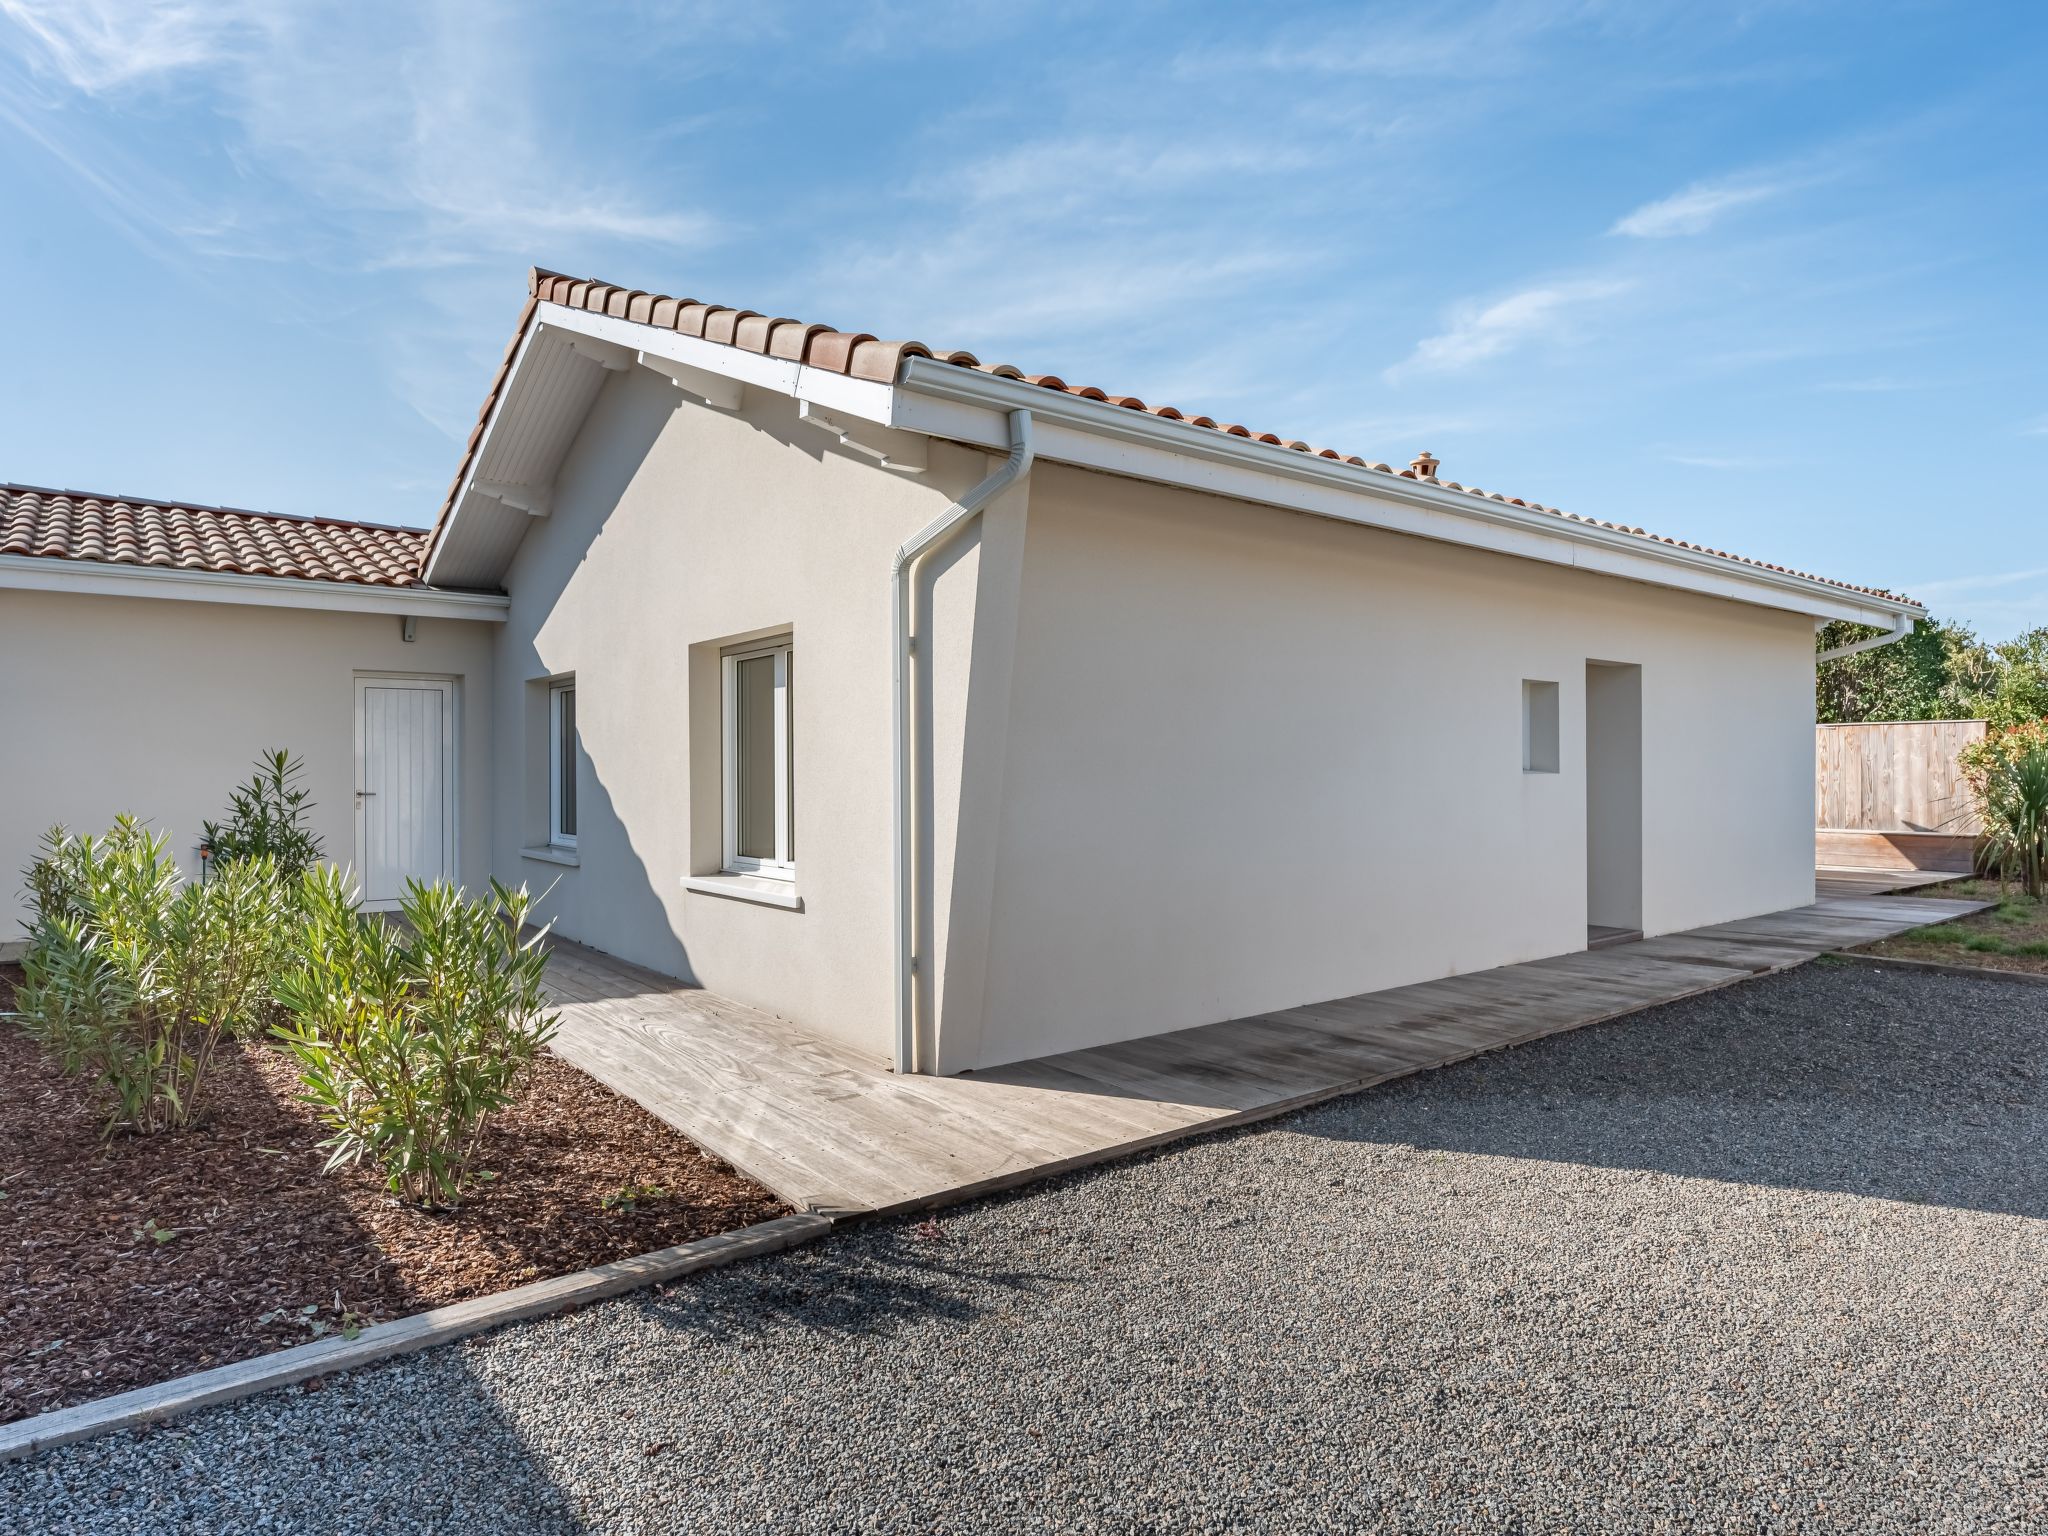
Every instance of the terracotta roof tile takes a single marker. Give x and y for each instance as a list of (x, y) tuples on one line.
[(860, 355), (119, 530)]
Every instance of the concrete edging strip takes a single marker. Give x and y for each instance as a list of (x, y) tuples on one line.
[(284, 1367), (1939, 968)]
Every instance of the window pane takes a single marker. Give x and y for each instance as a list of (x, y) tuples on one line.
[(754, 703), (565, 765)]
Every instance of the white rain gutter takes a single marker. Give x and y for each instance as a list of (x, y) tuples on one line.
[(1902, 626), (910, 560)]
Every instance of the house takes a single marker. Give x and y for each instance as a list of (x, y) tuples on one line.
[(956, 714)]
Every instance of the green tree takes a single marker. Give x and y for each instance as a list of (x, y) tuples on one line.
[(2018, 690), (1910, 679)]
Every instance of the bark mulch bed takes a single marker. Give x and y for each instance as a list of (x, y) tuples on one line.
[(267, 1250)]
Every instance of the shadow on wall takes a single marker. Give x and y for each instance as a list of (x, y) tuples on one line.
[(1831, 1078), (615, 902), (611, 902)]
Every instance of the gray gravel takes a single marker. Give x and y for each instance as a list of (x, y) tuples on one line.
[(1770, 1259)]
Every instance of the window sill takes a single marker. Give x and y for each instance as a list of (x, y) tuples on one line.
[(754, 888), (552, 855)]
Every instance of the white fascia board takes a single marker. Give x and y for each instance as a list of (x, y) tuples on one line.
[(945, 400), (833, 391), (38, 573)]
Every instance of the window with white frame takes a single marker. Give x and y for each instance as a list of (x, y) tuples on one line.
[(760, 821), (562, 764)]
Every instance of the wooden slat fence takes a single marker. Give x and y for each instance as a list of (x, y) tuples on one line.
[(1890, 795), (1893, 776)]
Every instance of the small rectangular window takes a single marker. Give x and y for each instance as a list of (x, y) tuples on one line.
[(760, 820), (562, 764), (1539, 727)]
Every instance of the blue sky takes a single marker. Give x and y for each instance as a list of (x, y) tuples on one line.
[(1765, 276)]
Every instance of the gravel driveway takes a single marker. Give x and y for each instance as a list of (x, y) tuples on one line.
[(1771, 1259)]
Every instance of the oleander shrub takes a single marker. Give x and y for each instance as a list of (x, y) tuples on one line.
[(268, 818), (2007, 772), (133, 976), (409, 1036)]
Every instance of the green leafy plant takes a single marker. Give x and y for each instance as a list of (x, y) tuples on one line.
[(267, 818), (133, 976), (410, 1036), (53, 881), (2007, 772)]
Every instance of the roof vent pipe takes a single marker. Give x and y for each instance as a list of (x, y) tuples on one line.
[(1425, 465), (910, 561)]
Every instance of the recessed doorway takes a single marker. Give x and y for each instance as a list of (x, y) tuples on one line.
[(1614, 803)]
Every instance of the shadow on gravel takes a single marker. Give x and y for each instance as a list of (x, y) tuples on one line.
[(868, 1280), (1926, 1089)]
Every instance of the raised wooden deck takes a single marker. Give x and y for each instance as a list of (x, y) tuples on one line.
[(836, 1132)]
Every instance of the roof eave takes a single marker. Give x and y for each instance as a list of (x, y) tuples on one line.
[(46, 573), (992, 396)]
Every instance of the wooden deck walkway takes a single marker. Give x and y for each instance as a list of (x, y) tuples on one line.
[(836, 1132), (1875, 882)]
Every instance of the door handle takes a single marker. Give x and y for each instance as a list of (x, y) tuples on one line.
[(369, 792)]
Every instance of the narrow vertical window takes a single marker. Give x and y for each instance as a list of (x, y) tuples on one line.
[(562, 765), (760, 837)]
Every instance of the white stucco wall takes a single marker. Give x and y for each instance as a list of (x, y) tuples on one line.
[(1256, 759), (112, 704), (675, 527)]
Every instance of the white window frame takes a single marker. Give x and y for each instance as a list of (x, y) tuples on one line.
[(783, 865), (557, 838)]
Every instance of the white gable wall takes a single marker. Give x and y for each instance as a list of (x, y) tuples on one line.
[(1257, 759), (674, 526)]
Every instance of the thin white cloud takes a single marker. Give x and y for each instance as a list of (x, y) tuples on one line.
[(2036, 429), (422, 142), (1480, 332), (1696, 209), (96, 45), (1878, 384), (1717, 461), (1990, 581)]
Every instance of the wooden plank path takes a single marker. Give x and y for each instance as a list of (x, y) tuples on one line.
[(835, 1132), (1876, 882)]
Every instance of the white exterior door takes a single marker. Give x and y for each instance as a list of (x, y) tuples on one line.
[(405, 784)]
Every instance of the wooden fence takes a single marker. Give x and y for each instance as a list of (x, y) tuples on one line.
[(1889, 795)]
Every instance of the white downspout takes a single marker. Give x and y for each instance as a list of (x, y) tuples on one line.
[(1902, 626), (903, 584)]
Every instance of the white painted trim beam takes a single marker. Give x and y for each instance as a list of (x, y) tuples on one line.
[(36, 573), (714, 389), (885, 445), (611, 356), (945, 400), (533, 500)]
